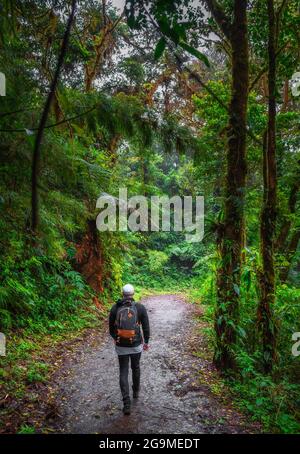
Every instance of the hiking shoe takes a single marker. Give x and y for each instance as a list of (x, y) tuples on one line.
[(126, 409)]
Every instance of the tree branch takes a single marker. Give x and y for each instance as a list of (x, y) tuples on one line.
[(194, 75), (52, 125), (220, 17), (265, 68)]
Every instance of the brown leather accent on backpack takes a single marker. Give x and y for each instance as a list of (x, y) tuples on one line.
[(126, 333)]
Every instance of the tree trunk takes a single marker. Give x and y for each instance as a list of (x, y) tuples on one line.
[(231, 233), (268, 216), (40, 132), (89, 258)]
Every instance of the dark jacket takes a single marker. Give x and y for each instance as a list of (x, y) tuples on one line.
[(142, 319)]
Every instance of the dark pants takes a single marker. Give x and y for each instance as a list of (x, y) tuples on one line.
[(124, 370)]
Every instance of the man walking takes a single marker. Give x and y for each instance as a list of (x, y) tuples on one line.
[(129, 327)]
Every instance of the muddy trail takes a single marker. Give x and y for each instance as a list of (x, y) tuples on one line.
[(175, 397)]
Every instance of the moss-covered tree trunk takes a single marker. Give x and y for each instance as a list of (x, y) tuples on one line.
[(268, 215), (231, 232)]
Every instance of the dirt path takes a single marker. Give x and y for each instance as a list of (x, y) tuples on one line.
[(172, 400)]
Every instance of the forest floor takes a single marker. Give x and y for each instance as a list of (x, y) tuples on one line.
[(175, 395), (181, 391)]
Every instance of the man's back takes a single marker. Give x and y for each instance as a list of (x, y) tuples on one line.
[(142, 318), (129, 327)]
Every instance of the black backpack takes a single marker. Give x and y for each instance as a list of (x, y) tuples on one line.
[(127, 324)]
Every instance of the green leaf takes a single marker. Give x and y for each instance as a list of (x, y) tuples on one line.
[(247, 279), (195, 52), (236, 289), (130, 21), (164, 25), (241, 332), (220, 320), (172, 33), (160, 47)]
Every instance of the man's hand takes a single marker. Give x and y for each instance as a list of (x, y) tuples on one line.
[(145, 347)]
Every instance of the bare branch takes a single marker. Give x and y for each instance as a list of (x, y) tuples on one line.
[(264, 69)]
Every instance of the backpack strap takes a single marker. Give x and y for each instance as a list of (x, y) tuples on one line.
[(134, 306)]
